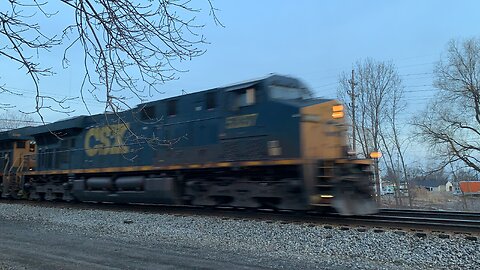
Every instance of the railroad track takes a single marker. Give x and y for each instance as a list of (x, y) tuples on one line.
[(406, 219), (429, 220), (431, 213)]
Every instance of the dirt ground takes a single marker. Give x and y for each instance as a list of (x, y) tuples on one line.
[(435, 200)]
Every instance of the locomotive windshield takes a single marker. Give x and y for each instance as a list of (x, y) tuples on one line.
[(283, 92)]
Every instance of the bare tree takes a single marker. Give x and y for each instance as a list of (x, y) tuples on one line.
[(12, 120), (451, 123), (378, 101), (127, 46), (394, 146)]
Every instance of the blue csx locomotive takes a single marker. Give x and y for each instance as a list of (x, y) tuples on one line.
[(256, 144)]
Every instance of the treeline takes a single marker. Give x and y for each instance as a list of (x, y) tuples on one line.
[(447, 128)]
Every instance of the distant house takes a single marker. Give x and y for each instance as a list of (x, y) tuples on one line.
[(436, 185), (449, 187), (387, 189)]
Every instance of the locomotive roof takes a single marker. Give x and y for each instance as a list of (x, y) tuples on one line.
[(81, 122), (304, 102), (271, 79), (19, 134), (69, 123)]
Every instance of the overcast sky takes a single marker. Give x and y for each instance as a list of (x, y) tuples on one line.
[(312, 40)]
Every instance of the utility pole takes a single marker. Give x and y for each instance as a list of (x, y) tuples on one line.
[(352, 98)]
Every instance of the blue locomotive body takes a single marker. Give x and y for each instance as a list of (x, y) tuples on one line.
[(260, 143)]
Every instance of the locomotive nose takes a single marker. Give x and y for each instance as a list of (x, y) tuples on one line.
[(323, 131), (338, 181)]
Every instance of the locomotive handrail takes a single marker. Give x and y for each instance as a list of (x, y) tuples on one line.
[(5, 176)]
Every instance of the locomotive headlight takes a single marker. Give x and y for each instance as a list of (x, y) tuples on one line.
[(337, 111), (376, 155)]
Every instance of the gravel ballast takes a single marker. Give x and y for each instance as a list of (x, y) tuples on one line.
[(257, 243)]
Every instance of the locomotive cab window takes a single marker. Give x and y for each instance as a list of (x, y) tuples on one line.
[(172, 107), (283, 92), (147, 113), (210, 98), (244, 97), (20, 145)]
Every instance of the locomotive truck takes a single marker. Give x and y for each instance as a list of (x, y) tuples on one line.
[(264, 143)]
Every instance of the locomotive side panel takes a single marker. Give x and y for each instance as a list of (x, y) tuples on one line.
[(260, 129)]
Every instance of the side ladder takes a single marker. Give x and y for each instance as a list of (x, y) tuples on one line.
[(324, 186)]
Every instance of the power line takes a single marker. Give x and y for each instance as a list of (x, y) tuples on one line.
[(416, 74), (23, 121), (416, 65)]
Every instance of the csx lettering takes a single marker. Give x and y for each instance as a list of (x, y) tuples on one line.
[(247, 120), (107, 140)]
